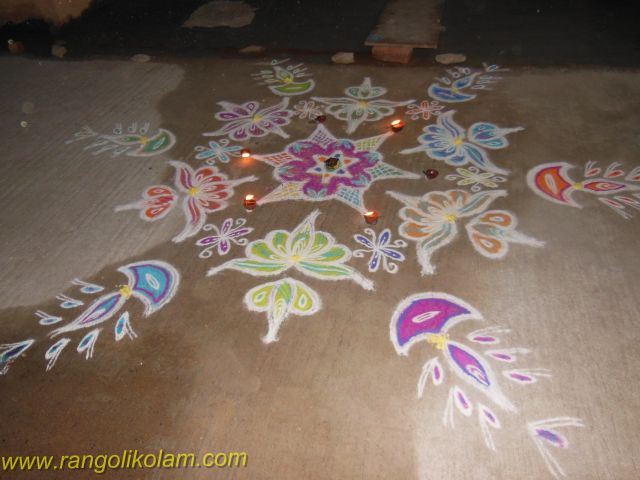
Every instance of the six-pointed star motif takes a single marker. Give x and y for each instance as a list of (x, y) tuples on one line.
[(303, 175)]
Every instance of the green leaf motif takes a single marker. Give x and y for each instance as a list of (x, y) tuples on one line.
[(294, 88), (279, 299), (313, 253), (261, 250), (330, 271), (256, 267)]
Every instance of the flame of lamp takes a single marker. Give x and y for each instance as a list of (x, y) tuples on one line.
[(245, 153)]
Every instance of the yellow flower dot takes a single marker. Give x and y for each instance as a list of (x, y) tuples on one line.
[(125, 291), (457, 141), (439, 341), (451, 218), (363, 104), (577, 186), (193, 191), (143, 140), (257, 118), (296, 258)]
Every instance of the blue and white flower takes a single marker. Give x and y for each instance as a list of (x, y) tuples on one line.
[(382, 249), (447, 141), (220, 151)]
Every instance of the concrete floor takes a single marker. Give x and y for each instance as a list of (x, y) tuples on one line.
[(330, 399)]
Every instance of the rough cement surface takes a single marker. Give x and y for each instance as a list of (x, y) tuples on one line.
[(331, 399), (68, 239)]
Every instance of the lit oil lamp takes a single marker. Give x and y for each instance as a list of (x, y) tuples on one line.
[(250, 202), (397, 125), (14, 46), (371, 217), (245, 153), (331, 163)]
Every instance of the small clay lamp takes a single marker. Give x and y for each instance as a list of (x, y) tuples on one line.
[(397, 125), (245, 153), (250, 202), (332, 163), (371, 217), (15, 47), (430, 173)]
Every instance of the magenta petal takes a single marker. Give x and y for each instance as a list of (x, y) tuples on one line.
[(463, 400), (226, 225), (235, 125), (227, 116), (553, 437), (224, 246), (240, 232), (484, 339), (255, 130), (469, 364), (503, 357), (208, 240), (239, 134), (521, 377)]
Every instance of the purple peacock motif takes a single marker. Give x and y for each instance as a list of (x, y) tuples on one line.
[(474, 384)]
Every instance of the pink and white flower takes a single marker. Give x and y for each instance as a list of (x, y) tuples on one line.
[(247, 120), (205, 190)]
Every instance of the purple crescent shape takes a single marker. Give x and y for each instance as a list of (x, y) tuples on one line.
[(423, 314)]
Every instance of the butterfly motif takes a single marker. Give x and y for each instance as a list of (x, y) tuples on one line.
[(157, 201), (473, 384), (491, 233), (280, 299), (454, 92), (552, 182), (432, 222), (133, 141), (152, 282), (455, 89), (204, 190)]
